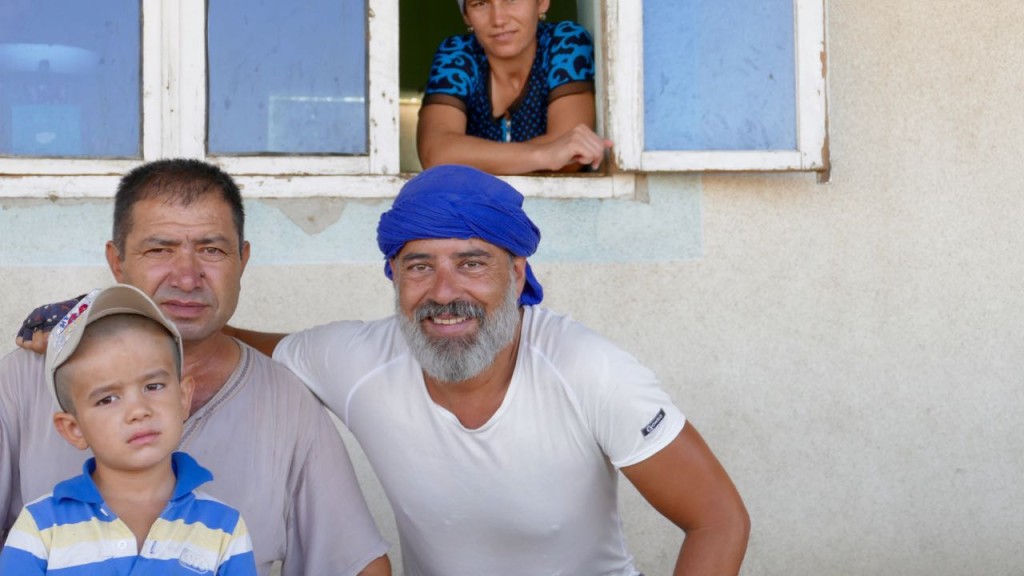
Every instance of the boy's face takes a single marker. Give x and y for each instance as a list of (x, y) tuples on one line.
[(128, 401)]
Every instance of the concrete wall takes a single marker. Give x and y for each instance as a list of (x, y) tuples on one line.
[(852, 351)]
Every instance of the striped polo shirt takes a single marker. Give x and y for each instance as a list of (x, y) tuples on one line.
[(72, 532)]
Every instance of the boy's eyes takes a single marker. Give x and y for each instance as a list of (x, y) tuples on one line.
[(151, 387), (106, 400)]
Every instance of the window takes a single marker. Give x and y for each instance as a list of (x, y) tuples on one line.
[(69, 86), (88, 91), (713, 85)]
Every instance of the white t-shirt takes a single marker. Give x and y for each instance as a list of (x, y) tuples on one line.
[(533, 490)]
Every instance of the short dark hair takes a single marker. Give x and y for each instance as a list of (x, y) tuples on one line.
[(179, 180)]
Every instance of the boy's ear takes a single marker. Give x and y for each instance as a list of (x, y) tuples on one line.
[(67, 426), (188, 385)]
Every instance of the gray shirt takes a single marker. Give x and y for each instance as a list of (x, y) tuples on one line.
[(273, 450)]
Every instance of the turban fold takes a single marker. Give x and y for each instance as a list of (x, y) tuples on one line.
[(452, 201)]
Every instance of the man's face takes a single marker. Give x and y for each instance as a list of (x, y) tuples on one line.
[(457, 302), (187, 259)]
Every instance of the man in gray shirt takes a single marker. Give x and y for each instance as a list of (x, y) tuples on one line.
[(273, 450)]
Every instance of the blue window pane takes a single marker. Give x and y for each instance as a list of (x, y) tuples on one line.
[(719, 75), (287, 77), (69, 78)]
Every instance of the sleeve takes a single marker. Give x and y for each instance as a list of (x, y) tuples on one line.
[(570, 56), (25, 552), (454, 70), (627, 410), (6, 477), (331, 530), (237, 557), (8, 448)]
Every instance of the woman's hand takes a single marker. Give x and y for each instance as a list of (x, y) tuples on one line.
[(579, 146)]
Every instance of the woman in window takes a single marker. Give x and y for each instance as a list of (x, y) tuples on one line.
[(515, 95)]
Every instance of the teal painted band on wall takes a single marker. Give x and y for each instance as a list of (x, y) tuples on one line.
[(666, 227)]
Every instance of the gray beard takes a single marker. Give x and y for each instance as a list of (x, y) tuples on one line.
[(459, 359)]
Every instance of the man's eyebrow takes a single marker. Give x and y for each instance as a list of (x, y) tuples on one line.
[(475, 253), (160, 241), (214, 239), (472, 253), (415, 256), (163, 241)]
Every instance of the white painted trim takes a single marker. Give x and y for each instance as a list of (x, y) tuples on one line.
[(152, 58), (382, 77), (723, 160), (14, 170), (295, 166), (189, 55), (623, 36), (812, 59), (343, 186)]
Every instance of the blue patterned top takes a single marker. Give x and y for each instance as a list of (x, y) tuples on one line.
[(460, 77)]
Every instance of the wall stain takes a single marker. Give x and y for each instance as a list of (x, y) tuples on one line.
[(312, 215)]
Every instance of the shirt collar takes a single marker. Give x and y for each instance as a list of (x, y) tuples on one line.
[(189, 475)]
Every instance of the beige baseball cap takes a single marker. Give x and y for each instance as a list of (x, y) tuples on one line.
[(100, 303)]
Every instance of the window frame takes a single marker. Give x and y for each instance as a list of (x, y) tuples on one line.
[(174, 98), (625, 87)]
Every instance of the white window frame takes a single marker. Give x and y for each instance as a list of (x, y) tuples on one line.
[(174, 117), (625, 90), (174, 120)]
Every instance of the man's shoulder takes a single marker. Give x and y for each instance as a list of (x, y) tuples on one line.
[(561, 338), (264, 376), (19, 361), (540, 320), (357, 336), (22, 375)]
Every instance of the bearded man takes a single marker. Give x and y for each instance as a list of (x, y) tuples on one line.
[(496, 426)]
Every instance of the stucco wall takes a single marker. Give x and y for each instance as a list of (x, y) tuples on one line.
[(852, 351)]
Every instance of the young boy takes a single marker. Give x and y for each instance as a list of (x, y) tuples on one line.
[(114, 364)]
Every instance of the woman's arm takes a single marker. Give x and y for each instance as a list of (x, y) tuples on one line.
[(570, 141)]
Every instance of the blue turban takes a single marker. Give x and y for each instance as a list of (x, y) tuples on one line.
[(454, 201)]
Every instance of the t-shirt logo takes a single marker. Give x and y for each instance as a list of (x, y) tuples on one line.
[(653, 423), (195, 561)]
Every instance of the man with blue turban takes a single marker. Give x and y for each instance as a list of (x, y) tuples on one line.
[(495, 426)]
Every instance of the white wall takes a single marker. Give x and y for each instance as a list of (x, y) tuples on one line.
[(852, 351)]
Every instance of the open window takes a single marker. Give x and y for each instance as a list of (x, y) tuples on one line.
[(318, 99)]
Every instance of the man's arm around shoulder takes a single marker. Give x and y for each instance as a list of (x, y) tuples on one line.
[(686, 484), (379, 567)]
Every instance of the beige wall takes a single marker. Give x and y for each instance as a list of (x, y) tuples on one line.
[(852, 351)]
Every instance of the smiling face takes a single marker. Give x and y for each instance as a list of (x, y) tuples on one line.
[(506, 29), (128, 399), (457, 303), (187, 259)]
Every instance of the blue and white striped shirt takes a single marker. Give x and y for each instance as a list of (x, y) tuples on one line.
[(72, 532)]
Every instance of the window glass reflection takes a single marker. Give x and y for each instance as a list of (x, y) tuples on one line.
[(69, 78), (287, 77), (719, 75)]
